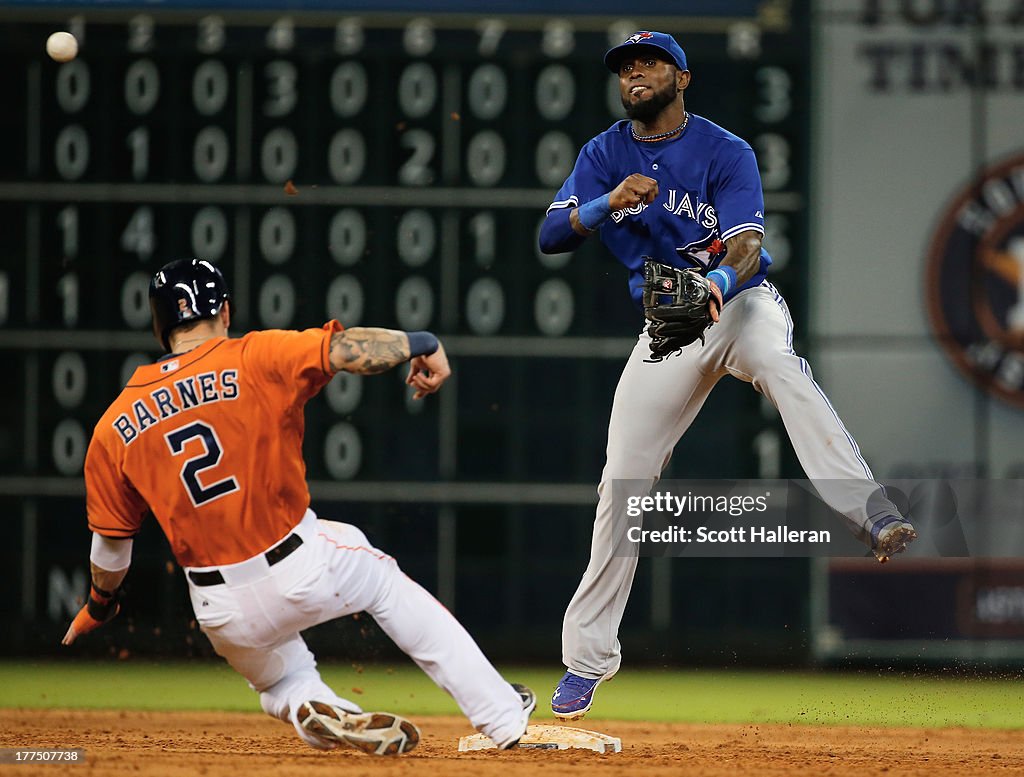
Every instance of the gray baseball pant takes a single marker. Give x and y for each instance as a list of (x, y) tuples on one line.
[(654, 405)]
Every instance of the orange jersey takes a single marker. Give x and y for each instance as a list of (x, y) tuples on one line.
[(211, 441)]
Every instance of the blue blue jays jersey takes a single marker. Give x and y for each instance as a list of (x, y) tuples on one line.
[(709, 189)]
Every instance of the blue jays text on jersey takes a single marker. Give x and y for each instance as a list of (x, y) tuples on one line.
[(709, 190)]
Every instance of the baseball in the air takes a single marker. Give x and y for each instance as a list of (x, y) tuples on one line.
[(62, 46)]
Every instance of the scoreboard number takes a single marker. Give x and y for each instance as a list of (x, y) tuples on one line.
[(210, 233), (210, 87), (141, 86)]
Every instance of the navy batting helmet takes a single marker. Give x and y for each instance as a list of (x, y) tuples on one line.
[(182, 291)]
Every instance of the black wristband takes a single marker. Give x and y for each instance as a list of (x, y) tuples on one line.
[(101, 611), (421, 343), (101, 592)]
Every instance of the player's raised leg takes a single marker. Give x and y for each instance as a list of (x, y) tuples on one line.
[(827, 451), (653, 405)]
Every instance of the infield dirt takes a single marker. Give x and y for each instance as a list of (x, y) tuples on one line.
[(180, 744)]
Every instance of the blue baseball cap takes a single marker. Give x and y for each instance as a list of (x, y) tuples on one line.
[(658, 40)]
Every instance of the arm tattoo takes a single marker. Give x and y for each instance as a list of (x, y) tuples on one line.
[(744, 254), (368, 350)]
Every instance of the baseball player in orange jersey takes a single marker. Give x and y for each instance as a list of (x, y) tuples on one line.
[(209, 438)]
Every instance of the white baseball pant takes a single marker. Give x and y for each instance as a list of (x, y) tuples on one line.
[(253, 620)]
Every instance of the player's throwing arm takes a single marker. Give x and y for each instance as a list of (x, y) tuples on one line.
[(635, 190)]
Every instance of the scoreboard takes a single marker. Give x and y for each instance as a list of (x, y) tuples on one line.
[(385, 169), (385, 164)]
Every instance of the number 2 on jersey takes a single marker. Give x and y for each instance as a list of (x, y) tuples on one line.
[(197, 492)]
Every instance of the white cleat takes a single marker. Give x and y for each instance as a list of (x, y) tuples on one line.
[(376, 733), (529, 701)]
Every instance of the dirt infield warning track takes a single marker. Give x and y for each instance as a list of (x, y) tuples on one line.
[(173, 744)]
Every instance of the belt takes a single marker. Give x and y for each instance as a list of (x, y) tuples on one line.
[(277, 553)]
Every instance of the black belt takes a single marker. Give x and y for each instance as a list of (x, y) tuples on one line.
[(277, 553)]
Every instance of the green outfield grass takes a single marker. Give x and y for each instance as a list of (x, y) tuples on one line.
[(694, 696)]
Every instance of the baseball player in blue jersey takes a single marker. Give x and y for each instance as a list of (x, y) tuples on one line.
[(670, 185)]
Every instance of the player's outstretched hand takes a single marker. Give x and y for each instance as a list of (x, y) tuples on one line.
[(632, 191), (428, 373), (97, 611)]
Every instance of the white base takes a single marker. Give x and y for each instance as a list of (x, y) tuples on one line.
[(546, 737)]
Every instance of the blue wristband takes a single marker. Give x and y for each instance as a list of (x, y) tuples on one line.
[(594, 213), (725, 278), (421, 343)]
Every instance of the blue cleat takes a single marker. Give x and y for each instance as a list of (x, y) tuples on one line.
[(574, 696), (891, 535)]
